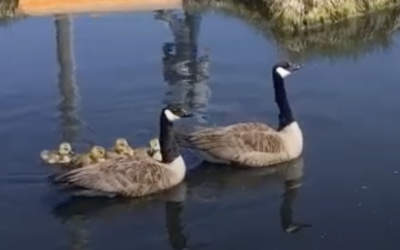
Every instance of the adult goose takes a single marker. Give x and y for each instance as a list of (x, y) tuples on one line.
[(251, 144), (140, 174)]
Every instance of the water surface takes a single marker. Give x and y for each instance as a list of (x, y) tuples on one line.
[(89, 80)]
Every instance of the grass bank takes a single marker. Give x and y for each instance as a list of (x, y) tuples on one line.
[(305, 14), (8, 8), (9, 12), (350, 38)]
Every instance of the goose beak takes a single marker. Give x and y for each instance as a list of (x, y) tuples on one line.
[(295, 67), (187, 114)]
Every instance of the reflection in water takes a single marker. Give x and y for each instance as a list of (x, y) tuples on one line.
[(185, 72), (211, 182), (69, 122), (349, 39), (289, 197), (219, 181), (175, 229), (8, 9), (80, 208), (68, 90)]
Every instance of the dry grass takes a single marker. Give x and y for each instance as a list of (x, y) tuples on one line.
[(350, 38), (302, 13), (8, 8), (8, 12), (307, 14)]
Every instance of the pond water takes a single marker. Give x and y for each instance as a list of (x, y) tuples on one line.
[(91, 79)]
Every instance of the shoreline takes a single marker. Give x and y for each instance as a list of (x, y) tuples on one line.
[(52, 7), (300, 14)]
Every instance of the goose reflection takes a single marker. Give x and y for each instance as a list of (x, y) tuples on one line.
[(219, 181), (211, 183), (286, 211), (89, 209), (185, 72)]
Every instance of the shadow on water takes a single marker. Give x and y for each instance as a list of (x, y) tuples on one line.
[(201, 183), (351, 38)]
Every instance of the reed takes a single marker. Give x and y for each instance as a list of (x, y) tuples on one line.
[(350, 38)]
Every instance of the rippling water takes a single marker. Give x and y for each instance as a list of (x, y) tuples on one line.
[(89, 80)]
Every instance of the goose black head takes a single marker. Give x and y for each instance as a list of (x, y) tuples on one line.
[(283, 69), (173, 112)]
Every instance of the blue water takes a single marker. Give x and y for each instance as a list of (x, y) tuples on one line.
[(108, 82)]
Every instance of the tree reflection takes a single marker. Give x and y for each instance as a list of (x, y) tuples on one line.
[(69, 121), (184, 70), (350, 39)]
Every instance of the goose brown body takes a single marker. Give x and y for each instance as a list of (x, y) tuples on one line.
[(134, 176)]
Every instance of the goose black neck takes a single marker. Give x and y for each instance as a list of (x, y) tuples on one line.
[(168, 145), (285, 113)]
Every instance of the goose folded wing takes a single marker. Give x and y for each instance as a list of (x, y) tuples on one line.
[(129, 177), (249, 145), (238, 138)]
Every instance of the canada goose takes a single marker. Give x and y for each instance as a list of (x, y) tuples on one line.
[(95, 155), (252, 144), (60, 156), (137, 175)]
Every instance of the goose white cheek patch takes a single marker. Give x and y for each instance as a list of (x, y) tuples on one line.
[(171, 116), (283, 72)]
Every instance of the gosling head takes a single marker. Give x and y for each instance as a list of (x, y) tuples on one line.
[(46, 156), (97, 152), (173, 112), (65, 148), (121, 144), (284, 69), (154, 145)]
